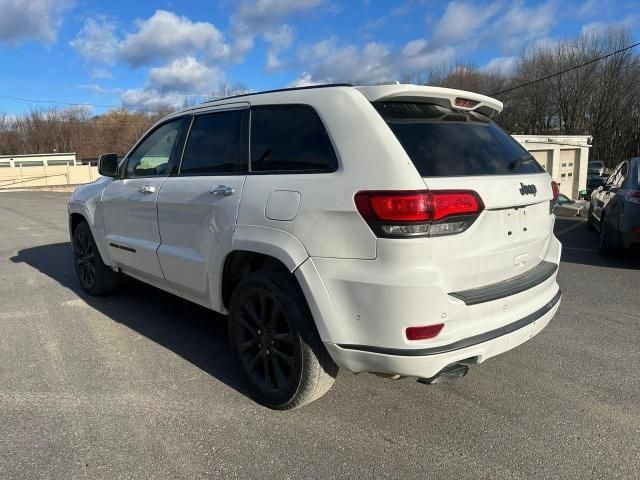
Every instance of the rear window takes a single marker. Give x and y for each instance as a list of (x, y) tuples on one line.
[(443, 142), (290, 138)]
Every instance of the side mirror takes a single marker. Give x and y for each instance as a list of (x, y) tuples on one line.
[(108, 165)]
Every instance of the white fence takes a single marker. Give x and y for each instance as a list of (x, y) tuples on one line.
[(41, 176)]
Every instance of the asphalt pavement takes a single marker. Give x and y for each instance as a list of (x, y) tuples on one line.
[(140, 384)]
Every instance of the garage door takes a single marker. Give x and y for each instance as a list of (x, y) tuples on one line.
[(544, 158), (568, 173)]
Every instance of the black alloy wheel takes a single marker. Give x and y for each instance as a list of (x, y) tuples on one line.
[(267, 346), (94, 276), (85, 258), (275, 342)]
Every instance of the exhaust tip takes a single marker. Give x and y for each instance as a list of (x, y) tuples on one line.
[(450, 372)]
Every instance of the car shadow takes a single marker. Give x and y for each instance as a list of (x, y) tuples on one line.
[(195, 333), (580, 245)]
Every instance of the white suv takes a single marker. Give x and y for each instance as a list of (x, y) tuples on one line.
[(391, 229)]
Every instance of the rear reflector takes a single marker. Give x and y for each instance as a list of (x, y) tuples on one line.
[(423, 333), (636, 230), (418, 213)]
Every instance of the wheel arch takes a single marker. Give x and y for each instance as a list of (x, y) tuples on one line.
[(289, 253), (79, 212)]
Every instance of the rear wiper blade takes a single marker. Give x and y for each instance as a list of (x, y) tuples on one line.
[(521, 161)]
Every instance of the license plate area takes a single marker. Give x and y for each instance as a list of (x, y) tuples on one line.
[(515, 223)]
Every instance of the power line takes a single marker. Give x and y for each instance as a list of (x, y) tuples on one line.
[(74, 104), (86, 104), (575, 67)]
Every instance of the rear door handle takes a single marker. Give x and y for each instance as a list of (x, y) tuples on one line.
[(222, 190), (147, 189)]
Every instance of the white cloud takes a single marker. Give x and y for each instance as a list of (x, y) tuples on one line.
[(163, 36), (326, 61), (149, 99), (601, 27), (305, 79), (261, 12), (100, 73), (166, 36), (510, 26), (97, 41), (461, 21), (503, 65), (589, 7), (278, 40), (264, 17), (414, 47), (173, 83), (522, 25), (37, 20), (185, 75), (99, 90)]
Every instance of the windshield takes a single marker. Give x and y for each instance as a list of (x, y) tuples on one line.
[(443, 142), (596, 164)]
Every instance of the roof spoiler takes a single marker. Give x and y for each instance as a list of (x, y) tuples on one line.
[(447, 97)]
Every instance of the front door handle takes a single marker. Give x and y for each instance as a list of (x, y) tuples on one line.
[(222, 190), (147, 189)]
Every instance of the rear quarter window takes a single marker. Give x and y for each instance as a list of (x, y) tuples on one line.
[(444, 142), (290, 139)]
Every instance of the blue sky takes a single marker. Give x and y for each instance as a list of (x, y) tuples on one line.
[(141, 53)]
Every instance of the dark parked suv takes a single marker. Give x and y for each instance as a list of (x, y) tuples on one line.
[(615, 208)]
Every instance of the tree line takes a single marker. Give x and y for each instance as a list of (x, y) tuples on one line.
[(76, 129), (601, 99)]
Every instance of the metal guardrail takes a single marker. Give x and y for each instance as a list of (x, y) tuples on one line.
[(25, 177), (32, 179)]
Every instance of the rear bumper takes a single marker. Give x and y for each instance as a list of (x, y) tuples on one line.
[(427, 362), (363, 307), (630, 239)]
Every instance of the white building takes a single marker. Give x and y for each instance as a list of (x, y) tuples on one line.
[(38, 160), (565, 157)]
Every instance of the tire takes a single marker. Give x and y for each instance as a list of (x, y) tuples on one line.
[(590, 225), (603, 247), (275, 343), (94, 276)]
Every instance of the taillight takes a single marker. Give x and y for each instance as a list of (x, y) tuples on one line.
[(418, 213), (632, 196), (423, 333), (556, 191)]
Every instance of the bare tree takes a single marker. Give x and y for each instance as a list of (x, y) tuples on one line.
[(600, 98)]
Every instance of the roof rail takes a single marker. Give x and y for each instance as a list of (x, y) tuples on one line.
[(309, 87)]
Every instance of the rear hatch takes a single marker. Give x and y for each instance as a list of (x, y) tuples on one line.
[(463, 150)]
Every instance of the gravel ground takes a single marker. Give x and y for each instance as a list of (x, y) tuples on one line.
[(140, 385)]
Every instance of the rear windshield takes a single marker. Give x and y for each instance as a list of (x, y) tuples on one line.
[(443, 142)]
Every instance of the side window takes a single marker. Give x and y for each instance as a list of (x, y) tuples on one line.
[(290, 138), (622, 175), (216, 144), (613, 177), (154, 155)]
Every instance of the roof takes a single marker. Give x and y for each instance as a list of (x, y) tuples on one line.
[(396, 92)]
